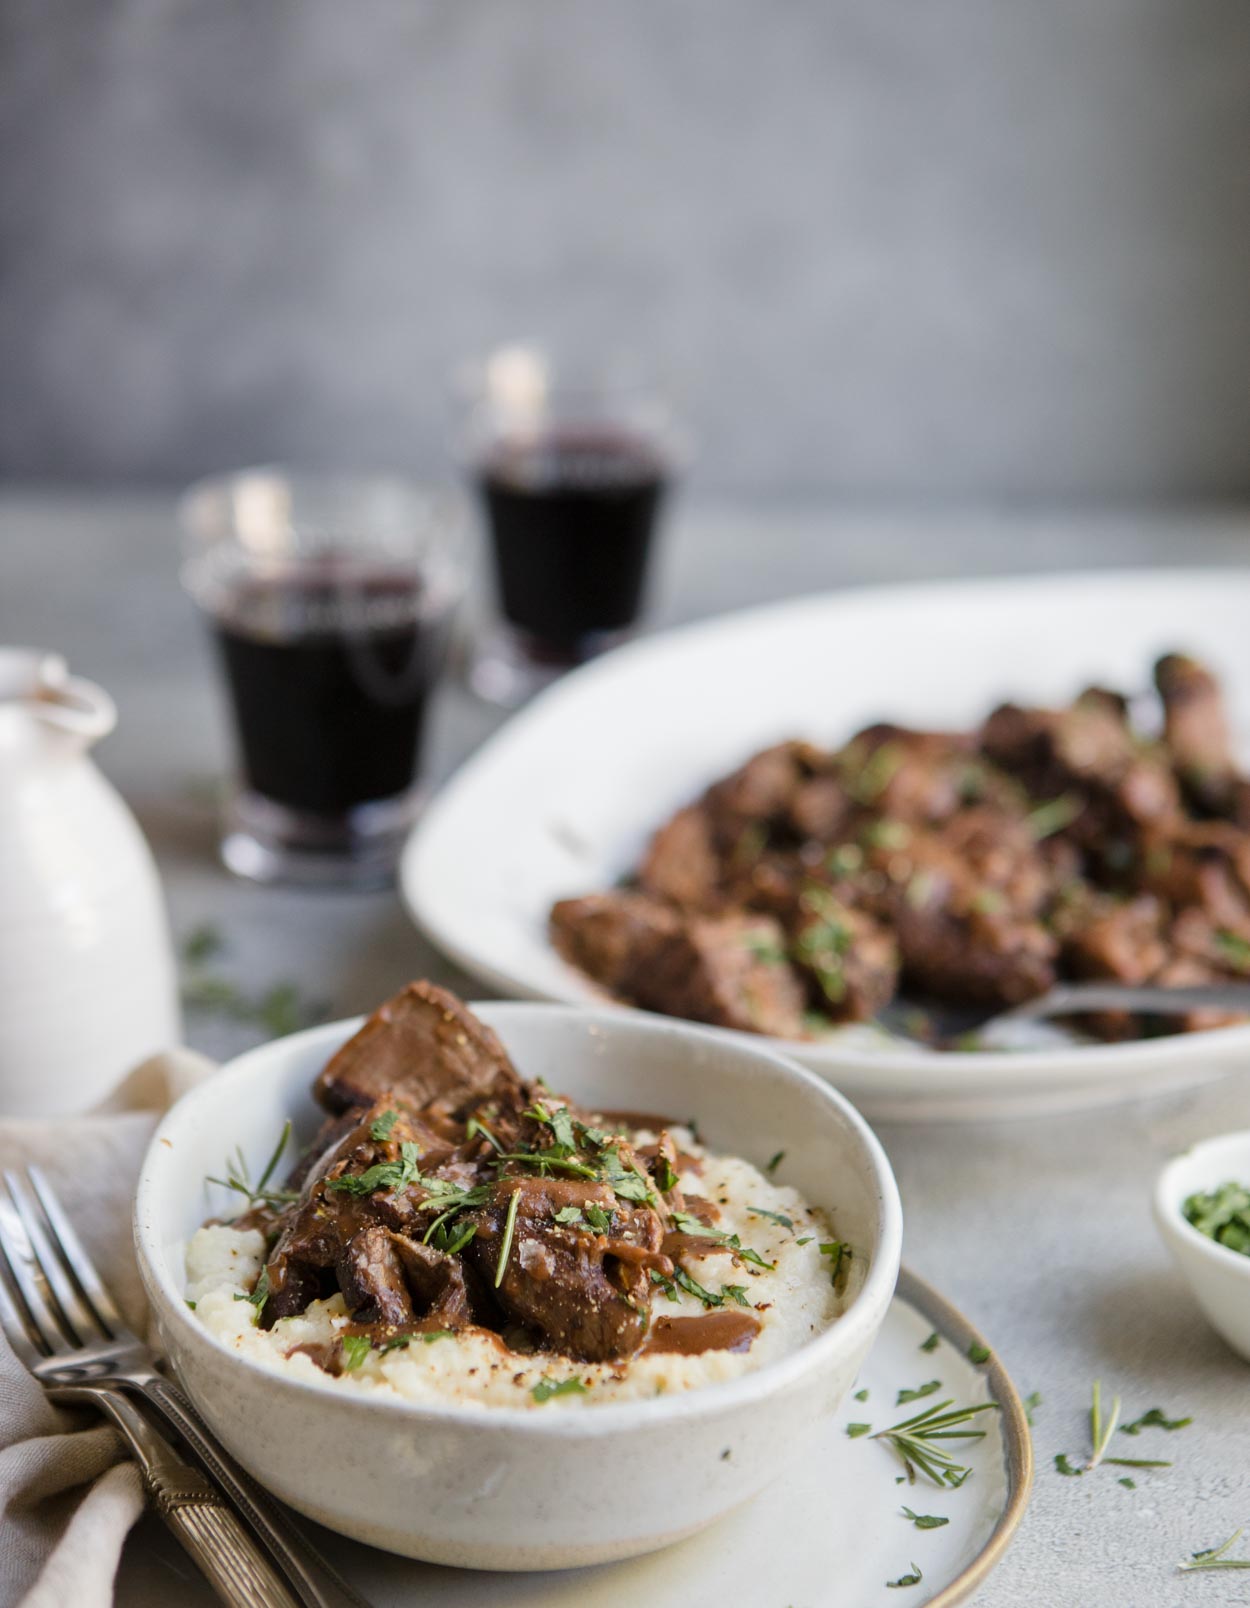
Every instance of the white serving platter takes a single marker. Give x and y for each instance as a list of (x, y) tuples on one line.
[(829, 1534), (562, 800)]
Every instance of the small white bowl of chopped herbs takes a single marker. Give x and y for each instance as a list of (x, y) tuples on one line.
[(1202, 1208)]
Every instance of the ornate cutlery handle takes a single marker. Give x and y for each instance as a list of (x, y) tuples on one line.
[(315, 1583), (233, 1564)]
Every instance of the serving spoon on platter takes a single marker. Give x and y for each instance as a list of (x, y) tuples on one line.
[(1023, 1026)]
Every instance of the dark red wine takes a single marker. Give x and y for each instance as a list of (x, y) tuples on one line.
[(329, 678), (571, 519)]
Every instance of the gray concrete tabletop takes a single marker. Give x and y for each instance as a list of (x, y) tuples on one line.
[(1038, 1230)]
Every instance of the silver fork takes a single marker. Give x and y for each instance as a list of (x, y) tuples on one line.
[(66, 1328)]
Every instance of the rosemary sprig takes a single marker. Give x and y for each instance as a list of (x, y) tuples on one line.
[(1215, 1557), (238, 1180), (509, 1229), (913, 1441)]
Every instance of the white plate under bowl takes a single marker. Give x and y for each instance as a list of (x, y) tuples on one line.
[(829, 1534), (562, 800)]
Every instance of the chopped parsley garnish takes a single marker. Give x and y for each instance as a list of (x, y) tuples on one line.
[(569, 1216), (191, 1304), (773, 1217), (736, 1292), (931, 1344), (380, 1127), (1127, 1483), (925, 1521), (260, 1293), (856, 1430), (393, 1175), (978, 1353), (912, 1579), (1234, 950), (862, 1395), (839, 1254), (356, 1347), (1031, 1403), (450, 1242), (1053, 816), (598, 1219), (1222, 1215), (546, 1388), (665, 1177), (475, 1128), (919, 1393), (764, 948), (1216, 1557)]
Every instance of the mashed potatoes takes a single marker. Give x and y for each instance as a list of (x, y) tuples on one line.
[(792, 1301)]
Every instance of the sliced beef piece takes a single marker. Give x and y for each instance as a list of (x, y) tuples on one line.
[(371, 1277), (979, 956), (423, 1045), (611, 936), (436, 1284), (848, 960), (1204, 864), (761, 792), (1086, 774), (681, 862), (730, 971), (907, 775), (1123, 940), (1196, 732), (588, 1294)]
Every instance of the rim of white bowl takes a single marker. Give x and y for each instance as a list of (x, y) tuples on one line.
[(711, 1400), (1167, 1201)]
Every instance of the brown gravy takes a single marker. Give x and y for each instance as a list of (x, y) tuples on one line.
[(727, 1330)]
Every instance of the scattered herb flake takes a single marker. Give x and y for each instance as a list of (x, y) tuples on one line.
[(774, 1162), (978, 1353), (925, 1521), (1064, 1466), (862, 1395), (912, 1579), (1128, 1484), (931, 1344), (919, 1393), (380, 1127), (1031, 1403), (509, 1229), (356, 1347), (856, 1430), (773, 1217), (546, 1388), (1215, 1557), (1155, 1418)]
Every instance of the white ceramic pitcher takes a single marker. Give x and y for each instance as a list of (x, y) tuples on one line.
[(87, 977)]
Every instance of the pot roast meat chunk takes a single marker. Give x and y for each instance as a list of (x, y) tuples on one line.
[(848, 960), (587, 1293), (904, 774), (730, 971), (1197, 735), (681, 862), (611, 936), (372, 1279), (1118, 939), (423, 1045)]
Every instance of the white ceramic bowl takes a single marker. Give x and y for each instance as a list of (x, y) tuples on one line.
[(512, 1488), (1218, 1277)]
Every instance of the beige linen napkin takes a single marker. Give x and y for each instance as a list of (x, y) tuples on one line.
[(66, 1501)]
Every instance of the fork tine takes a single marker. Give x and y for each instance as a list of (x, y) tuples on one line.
[(76, 1259), (80, 1321), (33, 1288), (16, 1325)]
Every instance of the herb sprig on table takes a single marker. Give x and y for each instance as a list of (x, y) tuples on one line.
[(277, 1010), (1215, 1557), (1102, 1427)]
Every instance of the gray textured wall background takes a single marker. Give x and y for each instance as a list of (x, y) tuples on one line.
[(924, 248)]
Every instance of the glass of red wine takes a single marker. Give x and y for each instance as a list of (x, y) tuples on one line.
[(572, 468), (330, 600)]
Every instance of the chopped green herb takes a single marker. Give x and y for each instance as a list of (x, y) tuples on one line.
[(683, 1281), (912, 1579), (191, 1304), (875, 772), (476, 1128), (665, 1177), (509, 1229), (1053, 816), (919, 1393), (237, 1176), (1136, 1462), (856, 1430), (925, 1521), (1127, 1483), (1031, 1403), (839, 1254), (861, 1395), (931, 1344), (806, 1240), (1234, 950), (978, 1353), (598, 1219), (1064, 1466), (773, 1217), (988, 902), (259, 1295), (569, 1215), (202, 943), (431, 1335), (736, 1292), (764, 948), (380, 1127), (772, 1165), (1223, 1215), (546, 1388), (393, 1175), (356, 1347), (1156, 1418)]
